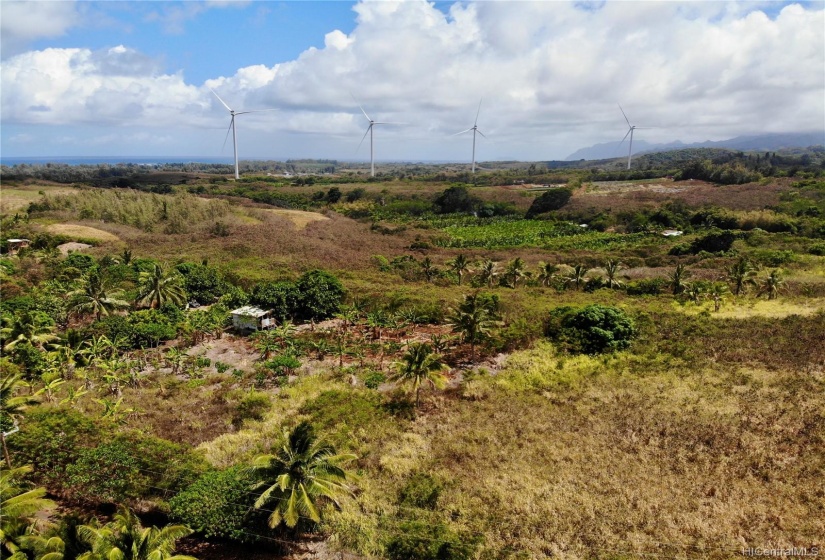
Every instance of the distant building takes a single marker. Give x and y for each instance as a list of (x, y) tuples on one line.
[(249, 318), (672, 233), (15, 245)]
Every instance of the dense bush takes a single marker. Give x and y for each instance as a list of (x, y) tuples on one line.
[(554, 199), (714, 242), (646, 287), (216, 505), (281, 297), (456, 199), (429, 541), (420, 491), (203, 283), (591, 330), (321, 295)]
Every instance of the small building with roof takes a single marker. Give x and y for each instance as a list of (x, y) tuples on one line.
[(14, 245), (250, 319)]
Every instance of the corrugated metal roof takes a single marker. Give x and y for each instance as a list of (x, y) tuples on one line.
[(249, 311)]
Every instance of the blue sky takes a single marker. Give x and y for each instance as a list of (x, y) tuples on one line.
[(134, 78)]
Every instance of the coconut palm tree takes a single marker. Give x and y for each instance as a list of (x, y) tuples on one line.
[(460, 265), (19, 504), (547, 272), (741, 275), (577, 276), (160, 285), (429, 269), (28, 327), (516, 269), (12, 406), (419, 365), (124, 538), (717, 293), (611, 269), (677, 279), (472, 319), (95, 297), (302, 473), (488, 272), (772, 284), (694, 291)]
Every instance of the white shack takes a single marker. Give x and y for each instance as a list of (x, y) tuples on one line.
[(250, 318)]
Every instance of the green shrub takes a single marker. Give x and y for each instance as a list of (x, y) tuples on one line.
[(592, 330), (216, 505), (252, 406), (222, 367), (421, 540), (420, 491), (817, 249), (647, 287), (717, 241), (554, 199), (203, 362), (321, 294), (374, 379)]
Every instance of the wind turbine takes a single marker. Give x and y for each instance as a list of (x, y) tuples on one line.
[(234, 114), (475, 129), (630, 130), (369, 131)]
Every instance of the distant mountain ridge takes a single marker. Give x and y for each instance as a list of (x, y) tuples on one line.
[(760, 142)]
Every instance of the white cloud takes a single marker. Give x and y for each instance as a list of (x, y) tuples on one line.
[(550, 73), (23, 22)]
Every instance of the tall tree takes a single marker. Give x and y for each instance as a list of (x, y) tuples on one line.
[(18, 505), (28, 327), (301, 474), (488, 272), (577, 276), (741, 275), (460, 265), (160, 285), (611, 269), (772, 284), (547, 272), (12, 406), (419, 365), (677, 279), (124, 538), (472, 319), (516, 270), (94, 296)]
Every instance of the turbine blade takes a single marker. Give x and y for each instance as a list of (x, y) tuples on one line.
[(625, 116), (386, 122), (363, 137), (254, 111), (623, 139), (462, 132), (359, 106), (477, 130), (221, 100), (478, 112), (228, 130)]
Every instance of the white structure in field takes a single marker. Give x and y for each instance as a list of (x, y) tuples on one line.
[(250, 318)]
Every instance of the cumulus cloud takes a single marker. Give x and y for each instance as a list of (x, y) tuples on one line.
[(551, 75), (24, 22)]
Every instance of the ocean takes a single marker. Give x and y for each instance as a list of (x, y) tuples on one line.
[(112, 160)]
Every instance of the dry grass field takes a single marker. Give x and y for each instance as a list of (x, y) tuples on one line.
[(18, 197), (82, 232)]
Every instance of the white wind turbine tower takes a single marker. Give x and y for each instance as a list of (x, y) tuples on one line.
[(369, 131), (630, 130), (234, 114), (475, 129)]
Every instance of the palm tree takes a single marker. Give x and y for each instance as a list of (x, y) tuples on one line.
[(420, 365), (160, 285), (515, 270), (11, 407), (577, 276), (547, 272), (472, 319), (717, 293), (429, 269), (98, 348), (124, 538), (301, 474), (677, 279), (741, 274), (94, 296), (694, 291), (488, 272), (29, 327), (19, 506), (611, 269), (460, 265), (772, 285)]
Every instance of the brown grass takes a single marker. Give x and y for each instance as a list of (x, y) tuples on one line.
[(19, 196), (82, 232)]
